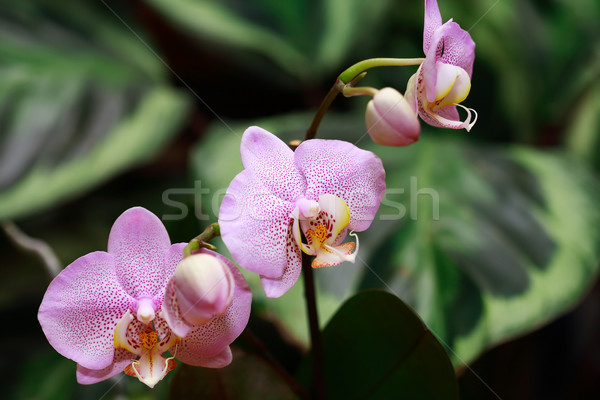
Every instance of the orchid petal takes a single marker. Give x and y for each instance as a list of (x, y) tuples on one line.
[(442, 121), (459, 47), (220, 360), (254, 226), (433, 20), (86, 376), (343, 170), (172, 313), (271, 162), (459, 90), (276, 287), (458, 50), (124, 332), (151, 367), (138, 241), (446, 76), (81, 309), (329, 256), (172, 258)]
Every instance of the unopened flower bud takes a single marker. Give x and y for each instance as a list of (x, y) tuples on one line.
[(391, 121), (204, 288)]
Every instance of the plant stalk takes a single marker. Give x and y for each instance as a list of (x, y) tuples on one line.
[(318, 388)]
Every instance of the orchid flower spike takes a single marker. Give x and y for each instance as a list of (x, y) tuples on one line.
[(324, 189), (443, 80), (107, 312), (391, 121)]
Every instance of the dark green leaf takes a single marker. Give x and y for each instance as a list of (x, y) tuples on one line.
[(376, 347)]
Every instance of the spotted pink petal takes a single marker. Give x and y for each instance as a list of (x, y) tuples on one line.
[(86, 376), (81, 309), (254, 226), (172, 313), (139, 241), (449, 113), (220, 360), (343, 170), (433, 20), (271, 162), (204, 342), (173, 257), (458, 50), (277, 287)]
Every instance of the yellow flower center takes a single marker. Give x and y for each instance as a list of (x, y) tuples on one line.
[(318, 235), (148, 339)]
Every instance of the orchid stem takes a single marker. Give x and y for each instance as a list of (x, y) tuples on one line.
[(349, 74), (315, 333), (311, 132), (201, 241), (350, 91), (337, 88)]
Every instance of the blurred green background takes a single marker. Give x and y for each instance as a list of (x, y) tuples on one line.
[(107, 105)]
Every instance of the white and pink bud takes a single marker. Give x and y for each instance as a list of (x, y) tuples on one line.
[(204, 288), (391, 120)]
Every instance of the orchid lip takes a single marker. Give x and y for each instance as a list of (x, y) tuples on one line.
[(322, 231), (148, 346)]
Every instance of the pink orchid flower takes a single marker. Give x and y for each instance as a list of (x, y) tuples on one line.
[(105, 310), (444, 79), (324, 189)]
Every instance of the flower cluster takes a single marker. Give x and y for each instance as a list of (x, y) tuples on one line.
[(441, 83), (141, 304), (121, 310)]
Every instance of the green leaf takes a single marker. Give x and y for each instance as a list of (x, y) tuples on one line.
[(376, 347), (486, 243), (73, 111), (306, 39), (515, 245), (247, 377), (583, 134)]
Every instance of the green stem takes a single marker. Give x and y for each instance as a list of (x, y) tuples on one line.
[(311, 132), (201, 241), (337, 88), (361, 66), (349, 78), (350, 91), (315, 333)]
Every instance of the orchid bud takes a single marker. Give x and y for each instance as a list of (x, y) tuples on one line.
[(391, 121), (204, 288)]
